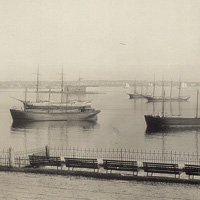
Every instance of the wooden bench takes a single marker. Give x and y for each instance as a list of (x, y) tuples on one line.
[(37, 161), (192, 170), (81, 163), (165, 168), (120, 165)]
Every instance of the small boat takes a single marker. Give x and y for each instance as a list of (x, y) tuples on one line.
[(135, 94), (162, 121)]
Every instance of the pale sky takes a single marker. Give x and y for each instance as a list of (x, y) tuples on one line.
[(101, 39)]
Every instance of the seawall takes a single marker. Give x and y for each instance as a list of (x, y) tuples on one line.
[(99, 175)]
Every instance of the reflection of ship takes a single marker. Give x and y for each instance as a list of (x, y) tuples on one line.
[(20, 125), (160, 122), (170, 130)]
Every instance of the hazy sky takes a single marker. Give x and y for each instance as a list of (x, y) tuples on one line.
[(101, 39)]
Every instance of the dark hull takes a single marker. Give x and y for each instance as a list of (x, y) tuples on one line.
[(159, 123), (43, 115), (166, 99)]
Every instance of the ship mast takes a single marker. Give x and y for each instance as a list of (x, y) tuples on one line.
[(135, 86), (197, 108), (62, 85), (25, 98), (171, 90), (154, 85), (141, 87), (49, 98), (163, 104), (162, 87), (37, 86), (179, 92)]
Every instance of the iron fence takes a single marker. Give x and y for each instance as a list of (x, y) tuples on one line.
[(21, 158), (4, 158), (140, 156)]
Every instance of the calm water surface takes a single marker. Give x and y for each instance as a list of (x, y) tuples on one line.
[(120, 125)]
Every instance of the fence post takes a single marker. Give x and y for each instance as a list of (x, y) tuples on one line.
[(11, 157), (47, 152)]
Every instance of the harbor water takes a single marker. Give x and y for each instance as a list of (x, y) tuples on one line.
[(120, 125)]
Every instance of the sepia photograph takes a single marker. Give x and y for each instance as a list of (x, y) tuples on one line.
[(99, 99)]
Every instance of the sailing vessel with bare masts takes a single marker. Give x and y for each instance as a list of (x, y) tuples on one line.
[(40, 104), (154, 98), (161, 122), (47, 111)]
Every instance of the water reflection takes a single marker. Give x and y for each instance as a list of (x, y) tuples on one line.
[(21, 126), (171, 130)]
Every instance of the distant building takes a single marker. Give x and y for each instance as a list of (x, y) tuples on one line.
[(75, 89)]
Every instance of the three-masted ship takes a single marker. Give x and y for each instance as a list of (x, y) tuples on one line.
[(56, 111)]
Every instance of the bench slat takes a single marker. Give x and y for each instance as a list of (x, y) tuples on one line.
[(167, 168), (192, 169), (81, 163), (120, 165), (44, 161)]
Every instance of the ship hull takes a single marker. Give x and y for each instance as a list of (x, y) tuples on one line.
[(159, 123), (43, 115), (135, 96), (166, 99)]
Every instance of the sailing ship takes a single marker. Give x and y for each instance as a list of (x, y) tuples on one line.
[(46, 111), (154, 98), (135, 94), (162, 122), (48, 104)]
